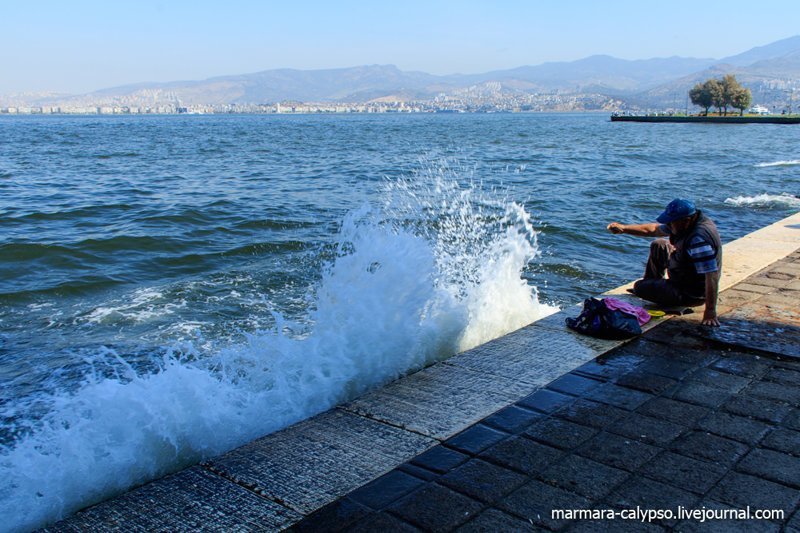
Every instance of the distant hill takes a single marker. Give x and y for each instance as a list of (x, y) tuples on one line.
[(602, 71), (761, 53), (768, 70), (345, 84), (596, 73), (771, 79)]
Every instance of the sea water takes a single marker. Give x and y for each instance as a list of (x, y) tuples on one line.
[(173, 287)]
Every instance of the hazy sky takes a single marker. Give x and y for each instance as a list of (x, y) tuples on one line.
[(82, 45)]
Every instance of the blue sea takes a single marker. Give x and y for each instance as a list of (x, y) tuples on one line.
[(172, 287)]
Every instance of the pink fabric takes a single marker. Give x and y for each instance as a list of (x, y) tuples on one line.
[(639, 312)]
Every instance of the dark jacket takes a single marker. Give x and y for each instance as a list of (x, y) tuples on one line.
[(681, 266)]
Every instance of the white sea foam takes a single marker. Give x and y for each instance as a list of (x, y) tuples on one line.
[(788, 163), (765, 200), (142, 306), (434, 271)]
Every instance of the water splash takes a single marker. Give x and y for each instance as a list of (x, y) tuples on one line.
[(432, 271)]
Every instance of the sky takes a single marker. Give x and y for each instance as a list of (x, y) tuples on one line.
[(77, 46)]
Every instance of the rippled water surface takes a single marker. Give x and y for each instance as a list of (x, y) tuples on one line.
[(171, 287)]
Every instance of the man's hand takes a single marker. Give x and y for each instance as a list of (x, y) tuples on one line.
[(710, 318), (615, 227)]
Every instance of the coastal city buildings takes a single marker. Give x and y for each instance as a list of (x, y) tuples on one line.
[(471, 100), (777, 96)]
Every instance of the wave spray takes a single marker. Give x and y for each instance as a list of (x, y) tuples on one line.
[(432, 270)]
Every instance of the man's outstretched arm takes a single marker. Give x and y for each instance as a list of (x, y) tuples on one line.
[(712, 292), (652, 229)]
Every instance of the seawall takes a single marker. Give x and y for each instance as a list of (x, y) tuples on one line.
[(281, 478), (708, 120)]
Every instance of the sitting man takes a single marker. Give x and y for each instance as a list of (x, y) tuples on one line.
[(692, 256)]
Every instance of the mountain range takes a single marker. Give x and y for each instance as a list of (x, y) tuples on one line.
[(770, 71)]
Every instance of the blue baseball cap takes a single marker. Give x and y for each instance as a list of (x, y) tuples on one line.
[(677, 208)]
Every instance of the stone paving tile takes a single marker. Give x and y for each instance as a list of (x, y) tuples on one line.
[(589, 413), (734, 427), (741, 490), (786, 267), (733, 299), (440, 459), (301, 467), (560, 433), (522, 454), (744, 329), (381, 523), (671, 335), (749, 287), (767, 280), (386, 489), (646, 382), (793, 525), (622, 397), (792, 421), (700, 394), (702, 445), (187, 501), (475, 439), (619, 452), (699, 353), (783, 375), (684, 472), (574, 384), (647, 429), (665, 367), (493, 520), (782, 301), (719, 380), (772, 465), (673, 410), (546, 401), (336, 516), (483, 481), (784, 440), (419, 472), (583, 476), (436, 508), (787, 364), (700, 356), (775, 391), (610, 366), (650, 494), (535, 501), (740, 364), (512, 419), (183, 501), (759, 408)]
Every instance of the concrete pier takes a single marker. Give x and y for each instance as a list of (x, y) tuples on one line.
[(730, 119), (498, 436)]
